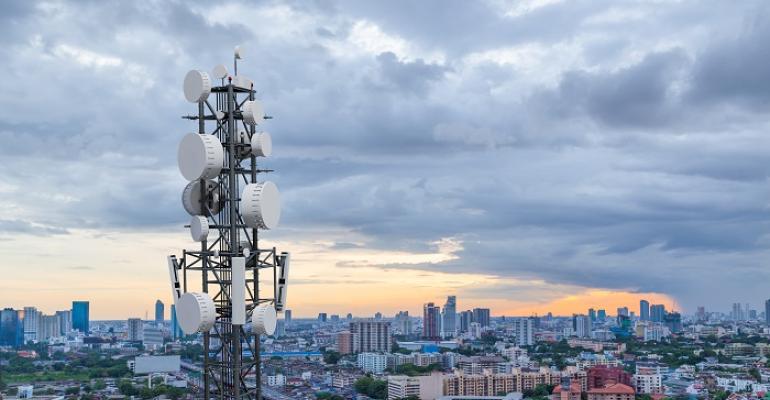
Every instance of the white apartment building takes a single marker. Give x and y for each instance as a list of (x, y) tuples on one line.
[(426, 387), (371, 362)]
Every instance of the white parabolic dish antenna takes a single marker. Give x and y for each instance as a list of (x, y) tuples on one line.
[(200, 156), (191, 198), (261, 205), (253, 113), (199, 228), (197, 86), (262, 144), (264, 319), (196, 312)]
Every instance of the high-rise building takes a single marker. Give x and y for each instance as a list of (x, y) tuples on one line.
[(481, 315), (673, 321), (657, 312), (135, 329), (176, 330), (403, 323), (287, 317), (431, 321), (80, 319), (346, 342), (524, 331), (11, 328), (601, 315), (48, 328), (378, 315), (160, 311), (371, 336), (701, 314), (592, 314), (449, 317), (322, 317), (644, 310), (623, 311), (581, 325), (746, 311), (65, 321), (349, 317), (767, 312), (152, 337), (736, 314), (31, 323), (466, 317)]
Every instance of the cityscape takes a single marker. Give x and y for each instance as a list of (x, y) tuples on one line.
[(385, 200), (640, 351)]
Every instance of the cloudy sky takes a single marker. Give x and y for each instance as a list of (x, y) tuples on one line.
[(531, 156)]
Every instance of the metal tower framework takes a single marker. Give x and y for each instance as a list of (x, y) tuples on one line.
[(231, 366)]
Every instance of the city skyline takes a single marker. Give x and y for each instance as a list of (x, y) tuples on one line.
[(517, 166)]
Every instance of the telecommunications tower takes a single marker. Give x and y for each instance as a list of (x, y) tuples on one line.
[(216, 286)]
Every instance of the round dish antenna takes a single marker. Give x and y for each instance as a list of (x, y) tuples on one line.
[(261, 144), (200, 156), (196, 312), (191, 198), (253, 113), (261, 205), (199, 228), (264, 319), (197, 86)]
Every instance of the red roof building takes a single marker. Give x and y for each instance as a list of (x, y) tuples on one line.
[(602, 375), (572, 394), (612, 391)]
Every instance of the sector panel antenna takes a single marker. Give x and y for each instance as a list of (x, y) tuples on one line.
[(253, 113), (200, 156), (264, 319), (261, 205), (195, 312), (261, 144), (197, 86)]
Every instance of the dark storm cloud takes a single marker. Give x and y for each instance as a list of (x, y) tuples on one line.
[(587, 144)]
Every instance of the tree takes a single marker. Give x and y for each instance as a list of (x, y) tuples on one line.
[(127, 388), (99, 384), (72, 390), (331, 357), (371, 387)]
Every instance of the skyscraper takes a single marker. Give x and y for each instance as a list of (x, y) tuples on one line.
[(736, 314), (449, 317), (466, 317), (644, 310), (80, 321), (657, 312), (403, 323), (31, 323), (481, 315), (65, 321), (135, 329), (11, 328), (767, 312), (622, 311), (524, 331), (322, 317), (601, 315), (160, 311), (371, 336), (287, 317), (176, 330), (582, 326), (431, 321), (592, 314)]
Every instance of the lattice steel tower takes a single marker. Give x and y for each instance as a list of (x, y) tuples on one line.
[(229, 205)]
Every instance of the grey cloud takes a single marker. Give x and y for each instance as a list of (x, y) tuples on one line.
[(641, 167)]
